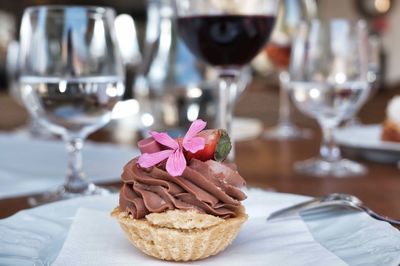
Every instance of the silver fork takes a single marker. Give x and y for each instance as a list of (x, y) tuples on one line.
[(335, 199)]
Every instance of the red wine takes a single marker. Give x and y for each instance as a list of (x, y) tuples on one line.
[(226, 40), (279, 54)]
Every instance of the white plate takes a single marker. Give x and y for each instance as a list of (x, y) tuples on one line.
[(366, 141), (35, 236), (244, 128)]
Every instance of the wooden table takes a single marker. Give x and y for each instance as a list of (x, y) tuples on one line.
[(268, 164)]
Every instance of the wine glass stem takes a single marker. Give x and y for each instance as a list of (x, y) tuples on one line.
[(76, 180), (284, 101), (329, 150), (227, 95)]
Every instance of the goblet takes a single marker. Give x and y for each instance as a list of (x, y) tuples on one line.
[(328, 71), (226, 34), (373, 77), (291, 12), (71, 76)]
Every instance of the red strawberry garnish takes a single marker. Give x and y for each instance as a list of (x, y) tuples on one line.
[(217, 146)]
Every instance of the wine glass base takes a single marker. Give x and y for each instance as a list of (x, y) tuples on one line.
[(286, 132), (340, 169), (62, 194)]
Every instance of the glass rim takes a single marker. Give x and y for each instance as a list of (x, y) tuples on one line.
[(102, 10), (270, 11), (356, 21)]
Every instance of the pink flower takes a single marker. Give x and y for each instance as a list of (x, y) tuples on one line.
[(176, 162)]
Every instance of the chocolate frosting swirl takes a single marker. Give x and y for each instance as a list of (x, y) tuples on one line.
[(209, 187)]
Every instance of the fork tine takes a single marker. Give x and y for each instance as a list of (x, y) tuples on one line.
[(292, 210)]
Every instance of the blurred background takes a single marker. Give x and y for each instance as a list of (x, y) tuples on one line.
[(382, 17)]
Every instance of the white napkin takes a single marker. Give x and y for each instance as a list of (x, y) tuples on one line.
[(95, 238), (29, 165)]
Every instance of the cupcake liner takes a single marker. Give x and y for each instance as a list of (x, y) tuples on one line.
[(180, 244)]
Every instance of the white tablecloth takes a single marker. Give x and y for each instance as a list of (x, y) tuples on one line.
[(29, 165)]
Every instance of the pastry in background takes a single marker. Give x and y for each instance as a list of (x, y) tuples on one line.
[(391, 126)]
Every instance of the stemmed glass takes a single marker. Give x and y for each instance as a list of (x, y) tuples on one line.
[(32, 128), (226, 34), (71, 76), (291, 12), (373, 76), (329, 67)]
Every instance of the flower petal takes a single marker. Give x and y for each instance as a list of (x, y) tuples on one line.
[(194, 144), (165, 139), (194, 129), (150, 159), (176, 163)]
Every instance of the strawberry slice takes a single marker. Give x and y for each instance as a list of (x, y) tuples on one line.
[(217, 146)]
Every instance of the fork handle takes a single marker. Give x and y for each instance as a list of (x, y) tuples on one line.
[(380, 217)]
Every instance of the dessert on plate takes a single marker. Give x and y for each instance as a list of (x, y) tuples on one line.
[(391, 125), (179, 200)]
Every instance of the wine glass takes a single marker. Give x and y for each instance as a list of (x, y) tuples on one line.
[(33, 128), (278, 50), (374, 63), (329, 67), (373, 76), (71, 76), (226, 34)]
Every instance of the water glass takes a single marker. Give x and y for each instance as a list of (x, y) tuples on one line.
[(329, 68), (71, 77)]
